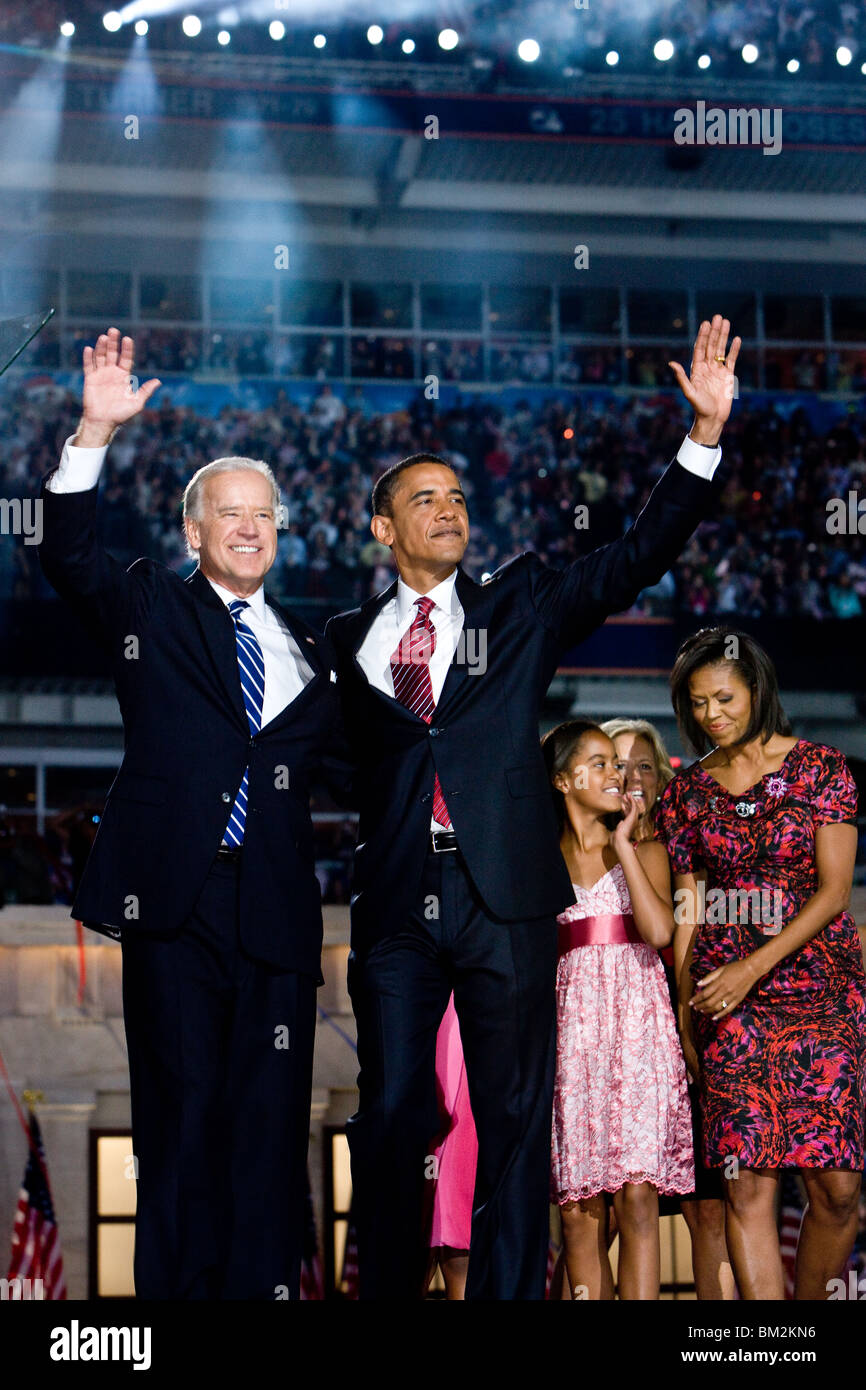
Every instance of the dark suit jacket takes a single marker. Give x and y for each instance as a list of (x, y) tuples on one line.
[(483, 739), (173, 656)]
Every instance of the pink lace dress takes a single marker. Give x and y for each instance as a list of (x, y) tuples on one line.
[(620, 1106)]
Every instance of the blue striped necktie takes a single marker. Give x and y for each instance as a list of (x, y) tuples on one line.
[(251, 668)]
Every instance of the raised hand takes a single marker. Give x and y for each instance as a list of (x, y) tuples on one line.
[(625, 828), (108, 399), (709, 387)]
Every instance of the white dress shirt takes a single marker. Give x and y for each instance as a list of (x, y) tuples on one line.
[(395, 619), (391, 624), (286, 669)]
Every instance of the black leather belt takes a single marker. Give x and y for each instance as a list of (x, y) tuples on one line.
[(443, 841), (230, 852)]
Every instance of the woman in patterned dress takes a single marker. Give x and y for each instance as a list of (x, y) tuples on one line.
[(621, 1119), (762, 838)]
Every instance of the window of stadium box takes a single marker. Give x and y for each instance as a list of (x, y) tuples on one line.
[(170, 297), (381, 306), (589, 366), (97, 293), (241, 299), (846, 371), (453, 359), (795, 369), (167, 350), (799, 317), (315, 355), (590, 311), (382, 357), (311, 303), (657, 313), (246, 353), (454, 307), (648, 365), (740, 308), (524, 362), (848, 317), (524, 310)]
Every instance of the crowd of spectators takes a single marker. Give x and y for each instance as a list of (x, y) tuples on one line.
[(768, 552)]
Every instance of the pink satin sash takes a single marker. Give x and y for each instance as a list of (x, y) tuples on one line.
[(606, 930)]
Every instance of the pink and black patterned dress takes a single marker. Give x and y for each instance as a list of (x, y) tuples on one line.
[(783, 1077)]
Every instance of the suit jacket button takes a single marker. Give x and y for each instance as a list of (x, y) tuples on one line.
[(227, 796), (434, 732)]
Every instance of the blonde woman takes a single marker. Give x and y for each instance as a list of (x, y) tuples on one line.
[(646, 769)]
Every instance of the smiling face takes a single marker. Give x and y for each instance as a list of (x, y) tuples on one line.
[(428, 529), (635, 760), (721, 703), (236, 535), (592, 779)]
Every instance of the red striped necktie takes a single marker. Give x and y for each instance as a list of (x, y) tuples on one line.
[(410, 668)]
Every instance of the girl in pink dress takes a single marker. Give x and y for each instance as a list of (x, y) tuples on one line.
[(621, 1117)]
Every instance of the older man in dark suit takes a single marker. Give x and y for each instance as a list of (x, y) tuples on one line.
[(203, 862)]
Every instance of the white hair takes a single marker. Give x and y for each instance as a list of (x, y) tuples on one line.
[(194, 491)]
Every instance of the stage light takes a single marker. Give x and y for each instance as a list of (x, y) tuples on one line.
[(704, 61), (375, 34), (408, 45), (191, 26), (277, 30), (793, 64), (448, 39), (67, 28), (663, 50), (319, 41), (141, 27), (863, 69), (224, 37), (568, 434), (749, 53), (112, 21), (843, 55), (611, 58), (528, 50)]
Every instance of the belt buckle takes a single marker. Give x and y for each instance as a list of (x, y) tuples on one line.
[(437, 835)]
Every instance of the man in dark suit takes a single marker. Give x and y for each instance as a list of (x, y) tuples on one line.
[(203, 861), (458, 873)]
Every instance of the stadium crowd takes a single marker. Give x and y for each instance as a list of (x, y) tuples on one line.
[(767, 553)]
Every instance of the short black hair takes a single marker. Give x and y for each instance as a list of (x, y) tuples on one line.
[(727, 646), (386, 486)]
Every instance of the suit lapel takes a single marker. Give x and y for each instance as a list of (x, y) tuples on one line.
[(477, 601), (219, 635), (308, 645)]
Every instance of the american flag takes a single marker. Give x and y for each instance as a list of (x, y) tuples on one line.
[(35, 1240)]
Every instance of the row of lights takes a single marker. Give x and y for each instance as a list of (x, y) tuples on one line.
[(191, 26), (664, 50), (528, 49)]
